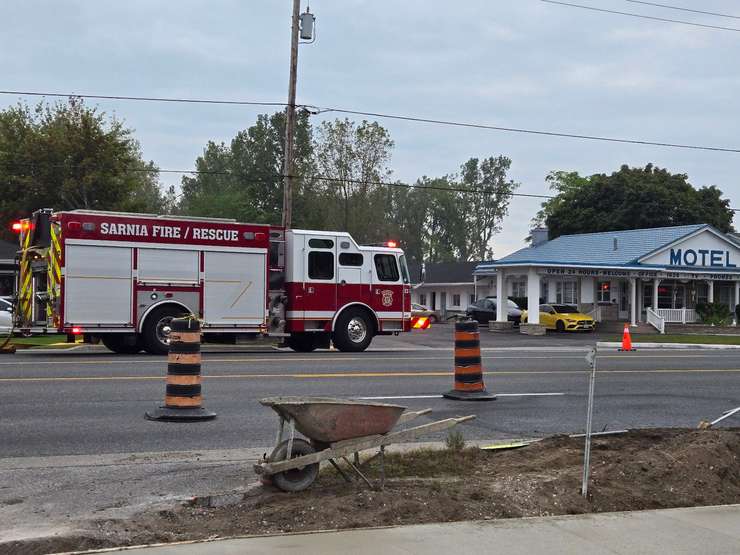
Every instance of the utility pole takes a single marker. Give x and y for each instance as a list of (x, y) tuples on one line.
[(290, 121)]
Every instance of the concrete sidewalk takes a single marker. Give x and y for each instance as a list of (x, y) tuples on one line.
[(705, 530)]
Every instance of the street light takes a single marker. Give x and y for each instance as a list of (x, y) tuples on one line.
[(303, 25)]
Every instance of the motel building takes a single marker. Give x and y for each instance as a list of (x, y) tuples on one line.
[(656, 275)]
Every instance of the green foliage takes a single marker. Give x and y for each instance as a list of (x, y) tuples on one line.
[(630, 198), (355, 157), (455, 441), (714, 314), (340, 168), (243, 179), (484, 210), (66, 156)]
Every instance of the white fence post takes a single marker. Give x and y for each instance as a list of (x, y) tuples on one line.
[(591, 360)]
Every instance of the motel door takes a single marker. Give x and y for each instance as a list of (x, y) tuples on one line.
[(624, 300)]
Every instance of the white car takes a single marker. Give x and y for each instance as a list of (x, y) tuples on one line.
[(6, 316)]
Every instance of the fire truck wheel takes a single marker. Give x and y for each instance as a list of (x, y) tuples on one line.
[(122, 343), (155, 332), (353, 331), (301, 342)]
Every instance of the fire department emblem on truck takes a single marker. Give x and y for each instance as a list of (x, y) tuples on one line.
[(387, 297)]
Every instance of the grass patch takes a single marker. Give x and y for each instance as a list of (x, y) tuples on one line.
[(39, 340), (422, 463), (455, 441), (694, 339)]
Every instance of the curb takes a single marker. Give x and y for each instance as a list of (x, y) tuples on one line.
[(616, 344), (523, 520)]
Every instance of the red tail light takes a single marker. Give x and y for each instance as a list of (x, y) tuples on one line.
[(16, 227)]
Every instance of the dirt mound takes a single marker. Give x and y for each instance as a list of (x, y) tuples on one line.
[(642, 469)]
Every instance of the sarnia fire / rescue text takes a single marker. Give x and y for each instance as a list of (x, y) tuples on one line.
[(167, 231)]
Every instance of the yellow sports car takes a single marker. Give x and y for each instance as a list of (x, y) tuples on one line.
[(563, 317)]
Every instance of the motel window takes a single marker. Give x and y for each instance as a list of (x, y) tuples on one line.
[(702, 293), (455, 300), (320, 265), (471, 300), (422, 299), (518, 288), (566, 292), (665, 295), (604, 294)]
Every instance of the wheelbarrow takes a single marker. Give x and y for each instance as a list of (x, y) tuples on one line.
[(335, 429)]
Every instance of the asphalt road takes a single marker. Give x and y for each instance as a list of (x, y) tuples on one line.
[(80, 404)]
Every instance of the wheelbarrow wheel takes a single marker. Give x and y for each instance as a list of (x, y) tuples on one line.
[(296, 479)]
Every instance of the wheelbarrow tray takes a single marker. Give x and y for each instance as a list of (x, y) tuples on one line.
[(328, 420)]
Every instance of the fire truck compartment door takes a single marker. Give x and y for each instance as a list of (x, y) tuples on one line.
[(235, 288), (97, 286)]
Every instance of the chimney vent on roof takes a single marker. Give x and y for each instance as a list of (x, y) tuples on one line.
[(539, 235)]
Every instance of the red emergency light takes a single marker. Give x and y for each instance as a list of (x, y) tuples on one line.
[(391, 244), (76, 331), (23, 225)]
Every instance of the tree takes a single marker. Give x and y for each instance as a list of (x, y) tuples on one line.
[(630, 198), (66, 156), (244, 179), (486, 207), (354, 158)]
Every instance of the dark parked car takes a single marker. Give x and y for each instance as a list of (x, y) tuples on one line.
[(484, 310)]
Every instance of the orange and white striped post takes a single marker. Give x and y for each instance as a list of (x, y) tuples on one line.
[(469, 384), (183, 397)]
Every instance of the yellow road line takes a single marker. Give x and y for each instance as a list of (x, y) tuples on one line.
[(394, 374), (282, 359), (246, 360)]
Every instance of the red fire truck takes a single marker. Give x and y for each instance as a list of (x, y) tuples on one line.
[(122, 278)]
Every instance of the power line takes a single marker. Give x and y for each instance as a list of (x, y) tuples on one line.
[(679, 8), (630, 14), (146, 98), (305, 177), (416, 119), (312, 177), (530, 131)]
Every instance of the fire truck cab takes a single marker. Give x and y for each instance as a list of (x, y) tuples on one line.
[(342, 291), (122, 278)]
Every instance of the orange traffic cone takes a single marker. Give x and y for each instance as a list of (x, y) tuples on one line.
[(626, 340)]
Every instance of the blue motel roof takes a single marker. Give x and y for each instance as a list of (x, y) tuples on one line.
[(596, 249)]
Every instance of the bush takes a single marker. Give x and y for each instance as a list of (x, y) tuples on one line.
[(714, 314), (455, 440)]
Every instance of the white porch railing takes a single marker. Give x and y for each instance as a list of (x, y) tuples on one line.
[(655, 320), (677, 315)]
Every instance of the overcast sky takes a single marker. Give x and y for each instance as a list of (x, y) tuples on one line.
[(515, 63)]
